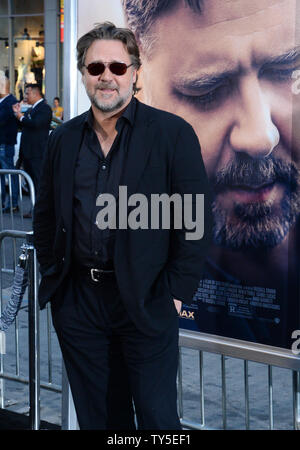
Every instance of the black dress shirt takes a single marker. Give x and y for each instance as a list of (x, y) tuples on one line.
[(96, 174)]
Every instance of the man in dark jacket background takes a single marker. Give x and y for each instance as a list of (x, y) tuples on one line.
[(8, 139), (35, 125)]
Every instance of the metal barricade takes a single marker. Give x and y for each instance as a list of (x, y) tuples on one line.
[(247, 352), (14, 220), (33, 331), (17, 361), (33, 380)]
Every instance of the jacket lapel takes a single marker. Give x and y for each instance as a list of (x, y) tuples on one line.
[(70, 147), (140, 145), (33, 111)]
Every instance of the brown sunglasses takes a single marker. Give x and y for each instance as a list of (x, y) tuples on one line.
[(97, 68)]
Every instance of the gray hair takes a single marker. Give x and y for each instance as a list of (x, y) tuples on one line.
[(141, 15)]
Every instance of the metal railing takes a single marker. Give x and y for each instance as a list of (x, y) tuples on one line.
[(11, 241), (33, 331), (33, 380), (14, 220), (247, 352)]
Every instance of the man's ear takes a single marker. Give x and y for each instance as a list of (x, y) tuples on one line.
[(139, 84), (134, 75)]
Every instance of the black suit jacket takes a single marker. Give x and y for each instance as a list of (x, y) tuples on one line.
[(8, 122), (152, 266), (35, 131)]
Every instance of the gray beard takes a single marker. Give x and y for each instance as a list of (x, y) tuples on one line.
[(114, 105), (257, 225)]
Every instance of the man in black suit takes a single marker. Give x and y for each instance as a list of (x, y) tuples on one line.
[(35, 125), (116, 292)]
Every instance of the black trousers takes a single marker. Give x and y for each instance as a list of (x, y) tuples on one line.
[(109, 361), (33, 167)]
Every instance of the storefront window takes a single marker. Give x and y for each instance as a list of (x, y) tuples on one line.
[(3, 7), (29, 54), (27, 7), (22, 44), (4, 46)]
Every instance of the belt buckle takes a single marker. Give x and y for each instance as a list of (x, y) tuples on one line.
[(93, 271)]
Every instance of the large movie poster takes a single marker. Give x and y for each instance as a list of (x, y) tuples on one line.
[(232, 69)]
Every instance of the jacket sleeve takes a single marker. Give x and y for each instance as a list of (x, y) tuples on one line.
[(6, 113), (41, 119), (189, 247), (3, 115), (44, 212)]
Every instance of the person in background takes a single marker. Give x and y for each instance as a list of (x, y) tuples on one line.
[(35, 123), (58, 110), (57, 113), (8, 139)]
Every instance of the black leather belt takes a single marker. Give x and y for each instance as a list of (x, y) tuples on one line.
[(95, 274)]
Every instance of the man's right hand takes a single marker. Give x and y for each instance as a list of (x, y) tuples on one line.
[(17, 110)]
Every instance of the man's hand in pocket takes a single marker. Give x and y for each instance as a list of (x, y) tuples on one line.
[(178, 305)]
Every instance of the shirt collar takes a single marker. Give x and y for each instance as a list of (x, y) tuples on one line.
[(128, 114), (36, 103)]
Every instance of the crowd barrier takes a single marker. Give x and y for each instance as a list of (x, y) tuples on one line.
[(18, 366), (247, 352), (14, 220), (199, 343)]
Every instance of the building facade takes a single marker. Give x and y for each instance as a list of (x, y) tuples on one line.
[(31, 45)]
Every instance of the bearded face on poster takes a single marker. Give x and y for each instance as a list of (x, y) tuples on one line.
[(232, 70)]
